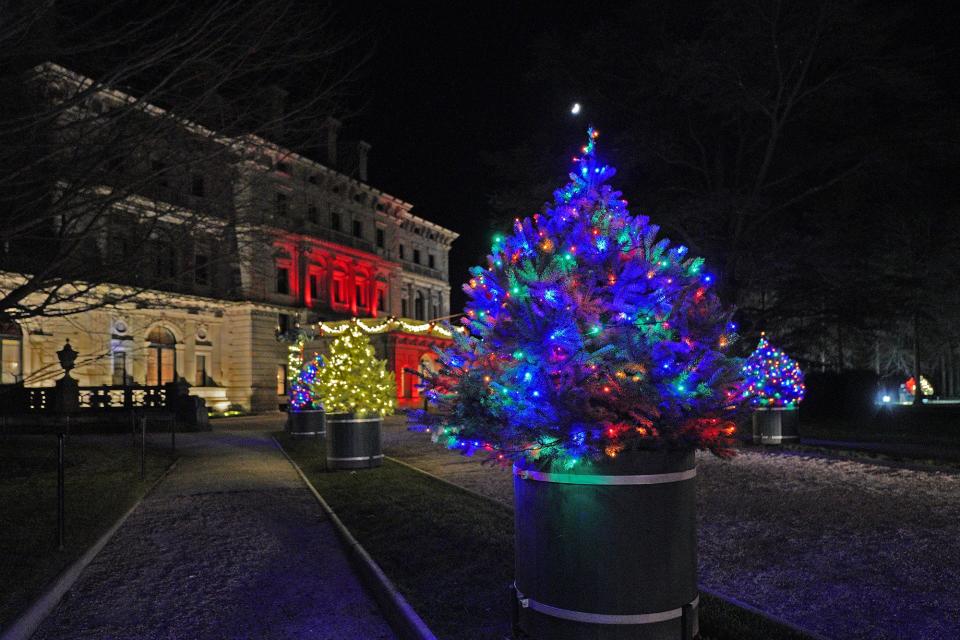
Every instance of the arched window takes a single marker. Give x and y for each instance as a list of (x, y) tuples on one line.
[(11, 352), (161, 356), (418, 311)]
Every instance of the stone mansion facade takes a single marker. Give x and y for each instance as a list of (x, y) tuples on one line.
[(324, 245)]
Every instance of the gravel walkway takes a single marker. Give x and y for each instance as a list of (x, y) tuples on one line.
[(230, 545), (847, 549)]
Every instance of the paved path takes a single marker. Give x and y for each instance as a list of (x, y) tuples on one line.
[(230, 545)]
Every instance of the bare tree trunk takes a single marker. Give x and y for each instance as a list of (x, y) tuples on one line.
[(918, 388), (950, 391), (943, 373), (840, 362)]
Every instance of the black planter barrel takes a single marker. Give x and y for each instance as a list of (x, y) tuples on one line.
[(608, 552), (775, 425), (307, 422), (353, 443)]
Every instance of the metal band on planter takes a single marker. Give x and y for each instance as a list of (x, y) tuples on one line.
[(572, 478), (602, 618), (306, 422), (353, 443), (610, 552), (775, 425)]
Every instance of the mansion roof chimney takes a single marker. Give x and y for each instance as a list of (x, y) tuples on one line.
[(276, 110), (363, 149), (332, 127)]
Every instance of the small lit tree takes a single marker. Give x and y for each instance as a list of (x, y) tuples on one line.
[(925, 386), (350, 378), (772, 378), (301, 377)]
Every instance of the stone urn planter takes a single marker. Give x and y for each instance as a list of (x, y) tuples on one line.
[(306, 422), (608, 552), (776, 425), (353, 442)]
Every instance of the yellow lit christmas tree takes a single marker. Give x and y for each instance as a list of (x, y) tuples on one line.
[(352, 379)]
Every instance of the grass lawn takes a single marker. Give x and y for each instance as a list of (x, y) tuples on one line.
[(451, 553), (102, 481)]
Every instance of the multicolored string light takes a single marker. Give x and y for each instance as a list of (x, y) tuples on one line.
[(587, 337), (301, 378)]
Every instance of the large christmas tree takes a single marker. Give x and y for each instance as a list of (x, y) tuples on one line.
[(772, 379), (352, 379), (587, 337)]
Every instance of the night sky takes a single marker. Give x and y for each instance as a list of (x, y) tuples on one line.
[(448, 82)]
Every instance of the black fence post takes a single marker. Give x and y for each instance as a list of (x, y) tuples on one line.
[(143, 447), (61, 524)]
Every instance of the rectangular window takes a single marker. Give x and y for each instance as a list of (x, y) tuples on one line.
[(381, 238), (335, 221), (283, 322), (281, 379), (357, 229), (201, 378), (283, 280), (119, 367), (339, 291), (404, 311), (161, 366), (159, 170), (314, 288), (403, 252), (312, 213), (197, 186), (281, 204), (10, 361), (360, 290), (431, 261), (381, 300), (416, 256), (166, 262), (201, 271)]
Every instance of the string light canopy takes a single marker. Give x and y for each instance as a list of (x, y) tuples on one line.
[(384, 325), (771, 378), (587, 337)]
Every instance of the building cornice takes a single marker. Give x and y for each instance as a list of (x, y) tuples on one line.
[(244, 145)]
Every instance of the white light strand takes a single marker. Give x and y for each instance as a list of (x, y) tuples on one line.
[(388, 324)]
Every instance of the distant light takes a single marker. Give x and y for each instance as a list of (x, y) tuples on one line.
[(886, 398), (575, 109)]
